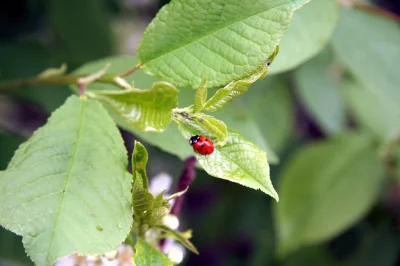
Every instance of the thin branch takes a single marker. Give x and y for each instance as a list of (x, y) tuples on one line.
[(58, 80), (130, 72), (185, 180)]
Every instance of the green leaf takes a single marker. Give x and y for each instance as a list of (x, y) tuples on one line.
[(158, 210), (239, 161), (51, 72), (375, 66), (224, 41), (318, 89), (309, 32), (374, 111), (139, 163), (142, 199), (201, 124), (62, 186), (263, 115), (201, 97), (147, 255), (147, 110), (147, 209), (178, 236), (327, 187), (121, 64), (234, 89)]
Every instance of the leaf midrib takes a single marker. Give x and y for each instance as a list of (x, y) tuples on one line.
[(206, 35), (70, 168)]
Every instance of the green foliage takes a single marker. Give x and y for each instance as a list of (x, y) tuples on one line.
[(318, 88), (264, 115), (190, 40), (62, 186), (375, 65), (231, 162), (201, 97), (178, 236), (147, 110), (147, 255), (378, 113), (309, 32), (149, 210), (201, 124), (234, 89), (139, 162), (67, 189), (341, 182)]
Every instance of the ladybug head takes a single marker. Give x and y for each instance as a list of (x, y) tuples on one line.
[(193, 140)]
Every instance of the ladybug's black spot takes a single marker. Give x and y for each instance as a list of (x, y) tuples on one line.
[(206, 139), (202, 145)]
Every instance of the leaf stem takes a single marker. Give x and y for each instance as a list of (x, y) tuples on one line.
[(130, 72), (72, 79)]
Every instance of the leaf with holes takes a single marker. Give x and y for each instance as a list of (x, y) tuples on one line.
[(147, 110), (66, 189), (147, 255), (219, 39)]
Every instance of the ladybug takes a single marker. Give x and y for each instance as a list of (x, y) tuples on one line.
[(202, 144)]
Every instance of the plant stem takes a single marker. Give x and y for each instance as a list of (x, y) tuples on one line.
[(185, 180), (57, 80), (130, 72)]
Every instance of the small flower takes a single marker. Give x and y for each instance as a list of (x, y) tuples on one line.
[(175, 252), (171, 221), (125, 254)]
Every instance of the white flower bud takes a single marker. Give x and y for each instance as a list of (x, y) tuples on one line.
[(171, 221)]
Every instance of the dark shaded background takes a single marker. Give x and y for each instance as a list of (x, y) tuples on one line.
[(229, 228)]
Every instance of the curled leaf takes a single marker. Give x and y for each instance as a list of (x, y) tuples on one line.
[(201, 96), (147, 110)]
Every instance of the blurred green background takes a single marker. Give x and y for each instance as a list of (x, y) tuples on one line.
[(338, 73)]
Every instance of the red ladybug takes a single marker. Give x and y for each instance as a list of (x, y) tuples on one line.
[(202, 144)]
